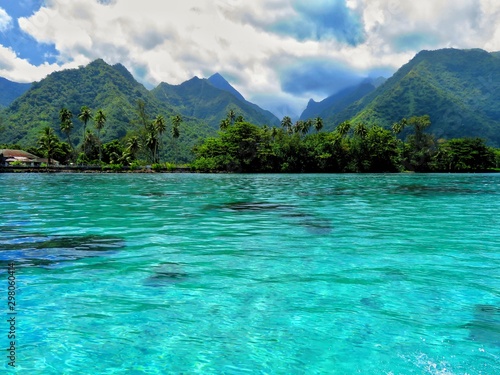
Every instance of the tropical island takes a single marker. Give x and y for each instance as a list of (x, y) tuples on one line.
[(438, 113)]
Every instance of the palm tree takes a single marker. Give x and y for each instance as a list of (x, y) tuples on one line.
[(361, 130), (306, 126), (274, 132), (286, 123), (176, 122), (151, 141), (231, 116), (224, 124), (66, 126), (398, 127), (133, 145), (85, 116), (48, 143), (99, 122), (159, 126), (318, 124), (343, 128)]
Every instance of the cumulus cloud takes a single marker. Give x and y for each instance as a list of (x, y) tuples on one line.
[(5, 20), (20, 70), (273, 51)]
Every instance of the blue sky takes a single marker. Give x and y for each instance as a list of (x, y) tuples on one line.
[(277, 53)]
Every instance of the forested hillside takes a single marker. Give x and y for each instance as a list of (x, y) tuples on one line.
[(459, 89)]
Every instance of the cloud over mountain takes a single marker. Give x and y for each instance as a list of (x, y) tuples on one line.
[(289, 50)]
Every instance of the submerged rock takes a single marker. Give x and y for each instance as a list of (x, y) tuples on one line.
[(420, 190), (35, 249), (485, 328), (251, 206), (166, 274)]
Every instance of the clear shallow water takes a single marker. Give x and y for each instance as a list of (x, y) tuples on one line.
[(253, 274)]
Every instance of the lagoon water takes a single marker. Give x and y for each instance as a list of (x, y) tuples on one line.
[(253, 274)]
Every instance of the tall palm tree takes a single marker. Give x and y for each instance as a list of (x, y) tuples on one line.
[(361, 130), (286, 123), (343, 128), (85, 116), (99, 122), (274, 132), (306, 126), (151, 141), (231, 116), (133, 145), (66, 126), (318, 124), (48, 143), (159, 127), (176, 122)]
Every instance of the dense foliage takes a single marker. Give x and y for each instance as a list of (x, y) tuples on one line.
[(459, 89), (114, 91), (244, 147), (199, 98)]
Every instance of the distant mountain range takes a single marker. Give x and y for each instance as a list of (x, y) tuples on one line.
[(203, 103), (10, 91), (210, 100), (459, 89), (341, 100)]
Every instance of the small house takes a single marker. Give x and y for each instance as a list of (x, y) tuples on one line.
[(19, 157)]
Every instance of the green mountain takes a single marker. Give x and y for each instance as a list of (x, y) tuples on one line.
[(337, 102), (210, 100), (202, 103), (98, 86), (459, 89), (220, 82), (10, 91)]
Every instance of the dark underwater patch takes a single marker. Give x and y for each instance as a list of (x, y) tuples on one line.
[(250, 206), (317, 226), (311, 223), (485, 328), (26, 249), (166, 274), (425, 190), (156, 194)]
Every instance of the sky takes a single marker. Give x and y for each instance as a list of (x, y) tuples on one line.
[(277, 53)]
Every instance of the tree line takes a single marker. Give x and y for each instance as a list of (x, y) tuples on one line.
[(295, 147), (240, 146), (143, 144)]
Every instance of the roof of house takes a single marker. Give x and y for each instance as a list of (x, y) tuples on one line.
[(23, 156), (18, 154)]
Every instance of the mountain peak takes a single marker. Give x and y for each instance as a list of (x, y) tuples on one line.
[(221, 83)]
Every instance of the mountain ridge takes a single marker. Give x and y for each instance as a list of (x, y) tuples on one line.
[(10, 91), (459, 89), (99, 85)]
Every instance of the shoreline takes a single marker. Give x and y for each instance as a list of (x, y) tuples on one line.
[(98, 170), (17, 169)]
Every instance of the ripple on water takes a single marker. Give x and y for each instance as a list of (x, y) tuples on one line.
[(292, 274)]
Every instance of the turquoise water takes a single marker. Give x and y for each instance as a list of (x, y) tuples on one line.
[(253, 274)]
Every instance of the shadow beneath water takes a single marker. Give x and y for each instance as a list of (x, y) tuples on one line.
[(35, 249)]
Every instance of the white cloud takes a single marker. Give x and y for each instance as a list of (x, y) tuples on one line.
[(173, 41), (5, 20), (20, 70)]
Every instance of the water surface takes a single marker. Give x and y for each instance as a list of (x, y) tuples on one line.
[(254, 274)]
